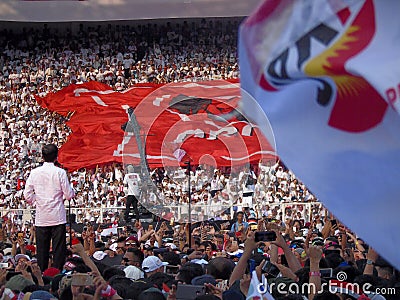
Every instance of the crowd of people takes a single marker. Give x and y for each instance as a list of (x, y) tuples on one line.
[(35, 62), (153, 260), (215, 259)]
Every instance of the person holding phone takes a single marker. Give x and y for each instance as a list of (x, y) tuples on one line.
[(46, 188)]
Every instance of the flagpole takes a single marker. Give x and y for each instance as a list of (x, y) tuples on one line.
[(133, 126), (70, 222), (190, 208)]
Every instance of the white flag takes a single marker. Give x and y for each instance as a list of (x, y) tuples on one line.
[(179, 154), (327, 75), (258, 290)]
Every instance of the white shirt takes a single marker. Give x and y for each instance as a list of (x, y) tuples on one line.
[(133, 182), (46, 188)]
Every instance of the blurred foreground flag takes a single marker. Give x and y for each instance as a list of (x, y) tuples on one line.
[(327, 75)]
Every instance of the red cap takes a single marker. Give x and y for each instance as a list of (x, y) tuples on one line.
[(133, 238), (51, 272), (31, 248)]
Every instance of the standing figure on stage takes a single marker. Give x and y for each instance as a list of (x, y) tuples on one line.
[(46, 188), (132, 180)]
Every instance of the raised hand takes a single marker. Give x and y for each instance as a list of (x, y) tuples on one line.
[(3, 276), (285, 271), (172, 293), (23, 266), (245, 284), (315, 253), (212, 289), (250, 243), (77, 248), (36, 270), (372, 254)]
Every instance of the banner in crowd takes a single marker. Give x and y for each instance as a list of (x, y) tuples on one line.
[(327, 75), (155, 122)]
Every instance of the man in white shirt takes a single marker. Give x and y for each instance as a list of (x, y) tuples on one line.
[(132, 180), (46, 188)]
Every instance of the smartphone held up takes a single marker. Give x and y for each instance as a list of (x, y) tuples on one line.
[(82, 279), (189, 292), (270, 269), (265, 236)]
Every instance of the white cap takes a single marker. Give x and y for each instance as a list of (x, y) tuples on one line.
[(199, 261), (171, 245), (152, 263), (133, 273), (18, 256), (99, 255), (113, 247)]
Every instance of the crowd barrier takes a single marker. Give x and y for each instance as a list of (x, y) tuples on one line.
[(180, 212)]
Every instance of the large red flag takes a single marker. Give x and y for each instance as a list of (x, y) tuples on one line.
[(184, 116)]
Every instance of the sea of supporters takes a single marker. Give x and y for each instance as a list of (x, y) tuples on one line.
[(152, 259)]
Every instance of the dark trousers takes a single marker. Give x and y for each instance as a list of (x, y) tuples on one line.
[(131, 201), (55, 235)]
